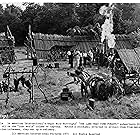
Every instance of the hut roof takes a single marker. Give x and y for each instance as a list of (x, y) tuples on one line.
[(128, 50), (126, 45), (46, 42)]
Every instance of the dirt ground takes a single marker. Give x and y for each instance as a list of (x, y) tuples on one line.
[(52, 82)]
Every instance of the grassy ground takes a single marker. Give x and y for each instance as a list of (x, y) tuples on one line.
[(126, 107)]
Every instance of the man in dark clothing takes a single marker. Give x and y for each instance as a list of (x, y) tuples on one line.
[(84, 59), (97, 57), (101, 59), (105, 62), (71, 59), (81, 60)]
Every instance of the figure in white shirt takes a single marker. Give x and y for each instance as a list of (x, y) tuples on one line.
[(77, 58), (70, 56)]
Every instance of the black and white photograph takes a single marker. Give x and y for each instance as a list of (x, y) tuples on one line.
[(69, 66), (69, 60)]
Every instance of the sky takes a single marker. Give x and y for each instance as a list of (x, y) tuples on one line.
[(19, 2), (16, 4)]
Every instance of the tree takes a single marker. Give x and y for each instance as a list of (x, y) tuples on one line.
[(1, 9), (124, 18), (137, 13), (57, 18), (89, 13), (12, 17)]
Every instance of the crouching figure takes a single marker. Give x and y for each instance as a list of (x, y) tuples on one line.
[(96, 86)]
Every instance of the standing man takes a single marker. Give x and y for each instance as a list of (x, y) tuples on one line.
[(70, 56), (81, 59), (101, 58), (84, 59), (90, 58), (97, 57)]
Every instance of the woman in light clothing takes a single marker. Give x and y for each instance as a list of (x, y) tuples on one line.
[(77, 58)]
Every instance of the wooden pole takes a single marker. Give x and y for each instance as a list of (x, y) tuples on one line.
[(15, 72), (32, 90), (7, 98), (27, 52), (124, 78)]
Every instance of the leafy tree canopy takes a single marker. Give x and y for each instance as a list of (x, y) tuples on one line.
[(58, 18)]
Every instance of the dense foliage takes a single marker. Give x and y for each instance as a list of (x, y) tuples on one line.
[(57, 18)]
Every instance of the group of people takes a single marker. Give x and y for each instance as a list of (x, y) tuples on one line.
[(77, 58), (89, 58)]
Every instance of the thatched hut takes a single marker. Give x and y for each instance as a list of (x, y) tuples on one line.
[(46, 45), (50, 46)]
